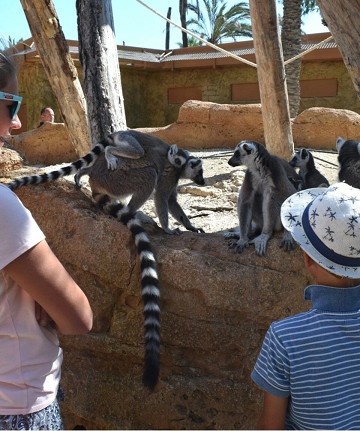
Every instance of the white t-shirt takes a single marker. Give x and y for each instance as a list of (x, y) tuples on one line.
[(30, 356)]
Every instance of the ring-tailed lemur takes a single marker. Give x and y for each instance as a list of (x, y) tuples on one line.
[(139, 178), (122, 144), (310, 176), (119, 143), (349, 161), (150, 290), (265, 187)]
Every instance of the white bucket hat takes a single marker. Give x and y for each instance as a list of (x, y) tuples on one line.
[(325, 222)]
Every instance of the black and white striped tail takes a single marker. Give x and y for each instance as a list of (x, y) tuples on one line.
[(150, 291), (62, 172)]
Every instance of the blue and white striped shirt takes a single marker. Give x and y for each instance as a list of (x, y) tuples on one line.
[(314, 359)]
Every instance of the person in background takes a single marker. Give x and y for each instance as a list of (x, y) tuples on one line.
[(37, 298), (46, 115), (309, 363)]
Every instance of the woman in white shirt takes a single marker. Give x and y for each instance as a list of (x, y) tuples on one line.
[(37, 297)]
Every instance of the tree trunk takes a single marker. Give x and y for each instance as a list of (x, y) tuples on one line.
[(100, 63), (182, 10), (271, 76), (167, 38), (60, 70), (342, 18), (291, 46)]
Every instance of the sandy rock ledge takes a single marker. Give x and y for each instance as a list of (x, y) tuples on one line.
[(216, 307)]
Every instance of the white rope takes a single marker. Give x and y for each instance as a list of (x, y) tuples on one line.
[(308, 50), (230, 54)]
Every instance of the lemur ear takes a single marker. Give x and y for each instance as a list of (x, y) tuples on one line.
[(173, 150), (339, 143), (303, 153), (249, 148)]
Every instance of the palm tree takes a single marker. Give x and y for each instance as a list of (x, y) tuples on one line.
[(291, 45), (217, 22), (182, 10)]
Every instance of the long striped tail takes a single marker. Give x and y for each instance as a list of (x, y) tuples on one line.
[(150, 291), (62, 172)]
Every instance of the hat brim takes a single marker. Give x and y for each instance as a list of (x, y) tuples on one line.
[(291, 217)]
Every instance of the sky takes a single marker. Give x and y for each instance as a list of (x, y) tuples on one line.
[(135, 25)]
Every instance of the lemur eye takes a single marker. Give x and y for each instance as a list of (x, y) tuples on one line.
[(178, 162)]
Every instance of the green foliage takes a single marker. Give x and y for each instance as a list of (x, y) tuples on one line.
[(214, 22), (10, 42), (309, 6), (192, 41)]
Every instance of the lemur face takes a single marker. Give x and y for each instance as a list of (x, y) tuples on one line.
[(244, 151), (300, 158)]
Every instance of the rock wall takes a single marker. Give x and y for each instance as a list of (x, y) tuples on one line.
[(212, 125), (203, 125), (216, 306)]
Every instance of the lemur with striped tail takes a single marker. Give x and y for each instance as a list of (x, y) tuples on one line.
[(120, 143), (265, 187), (131, 145), (139, 178)]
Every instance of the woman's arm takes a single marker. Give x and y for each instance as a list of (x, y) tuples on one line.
[(43, 277), (273, 413)]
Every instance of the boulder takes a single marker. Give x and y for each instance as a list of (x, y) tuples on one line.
[(212, 125), (216, 306), (9, 160), (203, 125), (48, 144), (320, 127)]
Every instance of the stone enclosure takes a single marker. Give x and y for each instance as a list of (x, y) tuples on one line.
[(216, 304), (204, 125)]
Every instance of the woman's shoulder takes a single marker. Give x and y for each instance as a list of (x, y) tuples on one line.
[(7, 196)]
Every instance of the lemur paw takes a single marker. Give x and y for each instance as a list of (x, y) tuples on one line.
[(176, 231), (112, 162), (287, 242), (260, 244), (232, 235), (239, 246)]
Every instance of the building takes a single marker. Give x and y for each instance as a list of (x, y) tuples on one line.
[(155, 83)]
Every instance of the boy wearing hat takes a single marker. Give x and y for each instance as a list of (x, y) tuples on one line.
[(309, 363)]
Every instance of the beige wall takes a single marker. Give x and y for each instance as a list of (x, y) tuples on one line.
[(146, 92)]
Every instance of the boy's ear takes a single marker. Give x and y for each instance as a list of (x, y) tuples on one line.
[(308, 261)]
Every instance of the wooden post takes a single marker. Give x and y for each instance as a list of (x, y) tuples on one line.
[(60, 70), (342, 18), (100, 63), (271, 76)]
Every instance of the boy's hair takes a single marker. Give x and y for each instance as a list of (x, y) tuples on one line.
[(325, 222)]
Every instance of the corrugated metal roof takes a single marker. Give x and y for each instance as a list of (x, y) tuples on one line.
[(208, 55), (128, 54), (149, 57)]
